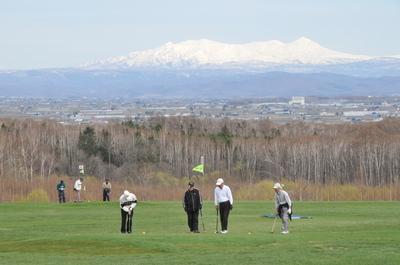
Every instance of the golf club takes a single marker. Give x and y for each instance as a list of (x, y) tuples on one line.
[(83, 197), (273, 226), (216, 223), (129, 223), (202, 221), (80, 197)]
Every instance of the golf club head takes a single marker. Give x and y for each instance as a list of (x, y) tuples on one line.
[(271, 232), (216, 232)]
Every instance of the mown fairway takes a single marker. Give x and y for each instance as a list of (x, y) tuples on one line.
[(88, 233)]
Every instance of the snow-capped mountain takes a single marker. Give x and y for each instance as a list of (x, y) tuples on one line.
[(195, 54), (204, 68)]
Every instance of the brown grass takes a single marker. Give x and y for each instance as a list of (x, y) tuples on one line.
[(172, 189)]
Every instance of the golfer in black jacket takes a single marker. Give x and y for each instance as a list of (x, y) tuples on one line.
[(192, 203)]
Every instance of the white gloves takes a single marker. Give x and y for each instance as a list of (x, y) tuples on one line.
[(289, 211)]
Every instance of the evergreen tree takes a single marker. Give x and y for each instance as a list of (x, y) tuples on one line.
[(87, 142)]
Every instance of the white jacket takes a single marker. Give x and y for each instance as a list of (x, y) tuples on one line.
[(127, 203), (78, 185)]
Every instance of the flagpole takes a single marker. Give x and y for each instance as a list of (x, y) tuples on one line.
[(202, 162), (82, 171), (200, 168)]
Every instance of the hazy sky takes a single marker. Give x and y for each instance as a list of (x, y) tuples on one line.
[(54, 33)]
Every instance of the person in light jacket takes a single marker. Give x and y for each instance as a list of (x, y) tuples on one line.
[(127, 203), (223, 202), (77, 190), (283, 206), (106, 190)]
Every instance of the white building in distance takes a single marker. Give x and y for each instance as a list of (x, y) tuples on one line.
[(297, 100), (365, 113)]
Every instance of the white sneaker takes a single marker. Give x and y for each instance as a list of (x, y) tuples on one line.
[(285, 232), (224, 232)]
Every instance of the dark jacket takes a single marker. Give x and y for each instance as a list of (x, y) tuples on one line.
[(60, 186), (192, 201)]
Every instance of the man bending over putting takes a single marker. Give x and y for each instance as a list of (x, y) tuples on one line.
[(127, 203)]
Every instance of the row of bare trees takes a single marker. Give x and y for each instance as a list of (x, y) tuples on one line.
[(240, 151)]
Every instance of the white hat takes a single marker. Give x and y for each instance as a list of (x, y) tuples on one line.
[(126, 193), (219, 181), (277, 185)]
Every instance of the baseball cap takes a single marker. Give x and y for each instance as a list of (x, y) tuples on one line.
[(277, 185), (219, 182)]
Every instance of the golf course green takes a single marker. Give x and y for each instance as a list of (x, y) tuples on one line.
[(89, 233)]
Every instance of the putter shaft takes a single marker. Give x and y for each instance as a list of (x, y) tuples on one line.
[(273, 226)]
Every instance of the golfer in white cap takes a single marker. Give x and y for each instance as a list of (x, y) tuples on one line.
[(283, 206), (223, 202), (127, 203)]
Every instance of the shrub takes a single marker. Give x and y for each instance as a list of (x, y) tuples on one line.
[(37, 195)]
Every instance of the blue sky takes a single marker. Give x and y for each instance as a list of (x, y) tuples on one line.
[(49, 33)]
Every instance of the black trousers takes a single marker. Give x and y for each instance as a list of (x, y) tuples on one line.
[(126, 224), (61, 196), (106, 195), (193, 220), (224, 209)]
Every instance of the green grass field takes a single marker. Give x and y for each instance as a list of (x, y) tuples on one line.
[(88, 233)]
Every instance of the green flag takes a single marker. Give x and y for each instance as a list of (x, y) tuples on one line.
[(199, 168), (82, 169)]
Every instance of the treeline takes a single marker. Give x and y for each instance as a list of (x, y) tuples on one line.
[(164, 150)]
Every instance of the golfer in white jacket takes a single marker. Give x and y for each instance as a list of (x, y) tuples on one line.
[(223, 203), (77, 190), (127, 203)]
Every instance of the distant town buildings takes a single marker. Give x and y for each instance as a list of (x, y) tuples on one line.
[(278, 110)]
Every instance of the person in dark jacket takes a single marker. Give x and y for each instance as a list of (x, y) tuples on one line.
[(61, 194), (192, 203)]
